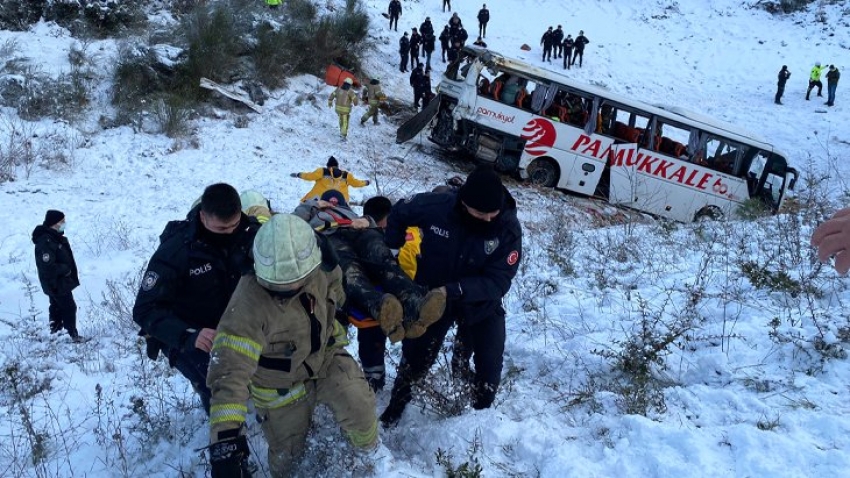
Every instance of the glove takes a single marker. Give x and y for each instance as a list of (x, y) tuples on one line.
[(226, 457), (293, 175), (368, 182)]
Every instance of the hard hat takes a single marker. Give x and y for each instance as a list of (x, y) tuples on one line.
[(348, 81), (285, 251), (252, 198)]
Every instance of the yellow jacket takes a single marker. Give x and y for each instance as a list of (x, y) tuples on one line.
[(408, 255), (344, 100), (325, 180)]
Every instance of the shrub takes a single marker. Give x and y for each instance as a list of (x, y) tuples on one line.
[(212, 45), (783, 6), (172, 113), (19, 15)]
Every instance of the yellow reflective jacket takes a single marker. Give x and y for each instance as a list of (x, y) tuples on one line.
[(408, 255), (373, 94), (326, 179), (817, 71), (266, 348), (344, 100)]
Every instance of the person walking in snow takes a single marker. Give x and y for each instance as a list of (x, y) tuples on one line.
[(568, 51), (580, 43), (426, 27), (546, 41), (832, 77), (428, 46), (445, 41), (403, 52), (57, 272), (814, 79), (279, 344), (345, 98), (415, 43), (784, 74), (447, 4), (394, 11), (330, 177), (483, 19), (373, 96)]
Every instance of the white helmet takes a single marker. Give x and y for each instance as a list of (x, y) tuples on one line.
[(251, 198), (348, 81), (285, 251)]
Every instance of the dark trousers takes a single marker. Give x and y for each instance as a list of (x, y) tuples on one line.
[(780, 90), (414, 57), (371, 346), (444, 50), (812, 85), (547, 53), (403, 66), (394, 21), (63, 313), (193, 365), (484, 342), (482, 29), (578, 54), (447, 3), (568, 53), (558, 50)]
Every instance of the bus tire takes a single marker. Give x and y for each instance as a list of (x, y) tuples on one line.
[(708, 213), (543, 172)]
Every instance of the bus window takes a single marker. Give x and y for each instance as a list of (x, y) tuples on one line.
[(672, 140), (722, 155), (629, 126)]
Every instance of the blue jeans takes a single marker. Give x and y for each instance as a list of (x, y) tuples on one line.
[(193, 365), (830, 93)]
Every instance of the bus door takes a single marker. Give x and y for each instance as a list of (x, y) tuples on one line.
[(767, 178)]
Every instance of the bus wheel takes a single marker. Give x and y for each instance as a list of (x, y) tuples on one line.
[(543, 172), (708, 213)]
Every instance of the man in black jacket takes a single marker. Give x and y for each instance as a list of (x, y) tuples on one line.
[(445, 41), (483, 18), (417, 81), (557, 38), (57, 272), (783, 76), (547, 40), (403, 52), (415, 43), (394, 11), (189, 281), (471, 246), (567, 47), (580, 42)]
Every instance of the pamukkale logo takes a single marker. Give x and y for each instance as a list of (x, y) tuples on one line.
[(540, 136)]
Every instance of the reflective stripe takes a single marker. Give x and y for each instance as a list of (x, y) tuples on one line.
[(340, 335), (227, 412), (272, 398), (364, 439), (239, 344)]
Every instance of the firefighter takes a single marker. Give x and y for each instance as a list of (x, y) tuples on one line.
[(330, 177), (345, 98), (373, 96), (279, 344), (255, 205)]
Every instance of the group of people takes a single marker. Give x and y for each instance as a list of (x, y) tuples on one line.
[(343, 99), (815, 75), (553, 41), (249, 303)]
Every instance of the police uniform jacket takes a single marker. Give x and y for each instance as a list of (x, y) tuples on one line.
[(476, 267), (189, 281), (57, 270)]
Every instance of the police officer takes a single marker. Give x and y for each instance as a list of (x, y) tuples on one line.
[(57, 272), (394, 11), (403, 52), (483, 19), (190, 279), (280, 344), (471, 245)]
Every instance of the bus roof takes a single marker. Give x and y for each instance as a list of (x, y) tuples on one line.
[(675, 113)]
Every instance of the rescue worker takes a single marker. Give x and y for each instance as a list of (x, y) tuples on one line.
[(373, 96), (280, 345), (345, 98), (483, 19), (402, 308), (568, 51), (445, 40), (471, 246), (415, 43), (255, 205), (832, 77), (814, 80), (330, 177), (190, 279), (832, 240), (580, 43), (557, 38), (394, 11), (273, 3), (546, 40), (403, 52), (57, 272)]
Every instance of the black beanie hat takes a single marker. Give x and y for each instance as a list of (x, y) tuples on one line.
[(53, 217), (332, 195), (483, 190), (332, 162)]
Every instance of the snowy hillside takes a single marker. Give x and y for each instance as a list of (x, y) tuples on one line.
[(742, 334)]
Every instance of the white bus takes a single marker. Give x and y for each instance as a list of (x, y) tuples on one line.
[(556, 132)]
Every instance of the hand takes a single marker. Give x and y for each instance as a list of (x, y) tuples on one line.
[(293, 175), (360, 223), (833, 238), (226, 457), (368, 182), (205, 339), (322, 204)]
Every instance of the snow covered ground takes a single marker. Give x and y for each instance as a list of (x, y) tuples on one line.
[(743, 391)]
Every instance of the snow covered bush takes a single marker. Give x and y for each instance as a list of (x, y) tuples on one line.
[(783, 6)]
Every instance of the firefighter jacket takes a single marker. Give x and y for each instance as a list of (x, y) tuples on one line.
[(189, 279), (345, 99), (268, 346), (327, 179), (57, 270), (373, 94), (475, 264)]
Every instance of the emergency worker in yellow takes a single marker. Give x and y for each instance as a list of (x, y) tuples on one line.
[(255, 205), (345, 98), (374, 95), (330, 177), (814, 79), (279, 344)]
